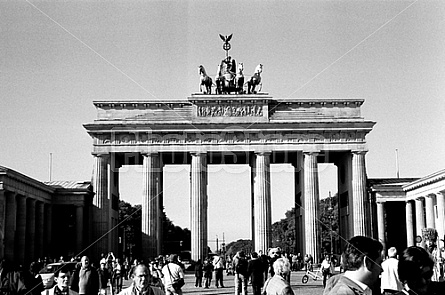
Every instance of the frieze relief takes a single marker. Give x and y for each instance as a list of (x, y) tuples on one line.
[(230, 111), (138, 138)]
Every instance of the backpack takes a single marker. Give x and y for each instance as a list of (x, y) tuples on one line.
[(241, 266)]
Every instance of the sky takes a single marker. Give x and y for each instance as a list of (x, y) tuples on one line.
[(57, 57)]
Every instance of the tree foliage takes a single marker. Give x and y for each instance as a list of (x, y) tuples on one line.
[(283, 231), (176, 239)]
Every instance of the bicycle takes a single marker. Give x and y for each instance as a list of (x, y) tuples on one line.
[(315, 275)]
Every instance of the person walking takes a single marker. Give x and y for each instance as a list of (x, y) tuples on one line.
[(173, 274), (240, 265), (86, 279), (278, 284), (255, 271), (327, 268), (390, 282), (140, 285), (104, 278), (218, 266)]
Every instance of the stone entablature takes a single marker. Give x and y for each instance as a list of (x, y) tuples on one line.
[(13, 181), (238, 122), (431, 184)]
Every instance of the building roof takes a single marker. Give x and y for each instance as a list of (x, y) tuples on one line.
[(66, 184), (390, 181)]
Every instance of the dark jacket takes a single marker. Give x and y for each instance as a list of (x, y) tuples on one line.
[(255, 270)]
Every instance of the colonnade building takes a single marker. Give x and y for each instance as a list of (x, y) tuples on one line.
[(251, 129), (43, 219), (422, 200)]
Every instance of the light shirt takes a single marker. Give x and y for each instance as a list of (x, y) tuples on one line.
[(390, 277), (366, 289)]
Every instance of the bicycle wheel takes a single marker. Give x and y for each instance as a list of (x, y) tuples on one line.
[(304, 279)]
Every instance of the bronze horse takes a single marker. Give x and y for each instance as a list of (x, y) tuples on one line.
[(255, 80), (205, 85)]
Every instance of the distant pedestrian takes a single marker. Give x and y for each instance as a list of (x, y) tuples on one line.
[(218, 266), (208, 273), (327, 268), (199, 271), (390, 282), (255, 271), (104, 278), (240, 265)]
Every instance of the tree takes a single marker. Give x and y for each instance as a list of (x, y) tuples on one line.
[(244, 245), (175, 238)]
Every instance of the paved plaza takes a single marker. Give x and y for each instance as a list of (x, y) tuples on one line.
[(311, 288)]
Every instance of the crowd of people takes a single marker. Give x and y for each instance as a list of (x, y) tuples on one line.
[(416, 271)]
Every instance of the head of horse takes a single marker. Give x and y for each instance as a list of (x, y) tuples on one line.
[(259, 69), (202, 70)]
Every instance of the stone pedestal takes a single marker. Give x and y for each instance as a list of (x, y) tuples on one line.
[(262, 203), (198, 205)]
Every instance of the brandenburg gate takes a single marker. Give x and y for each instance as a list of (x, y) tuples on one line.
[(254, 129)]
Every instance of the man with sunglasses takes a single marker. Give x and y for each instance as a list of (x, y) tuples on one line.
[(362, 259)]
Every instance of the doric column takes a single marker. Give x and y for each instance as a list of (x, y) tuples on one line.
[(359, 193), (262, 202), (30, 229), (47, 242), (40, 228), (100, 203), (198, 205), (150, 208), (420, 219), (10, 226), (310, 204), (429, 211), (2, 222), (381, 223), (409, 224), (440, 226), (79, 228), (20, 241)]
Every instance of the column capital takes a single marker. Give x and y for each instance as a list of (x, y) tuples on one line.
[(147, 154), (359, 152), (197, 153), (100, 154), (420, 198), (263, 153), (311, 152)]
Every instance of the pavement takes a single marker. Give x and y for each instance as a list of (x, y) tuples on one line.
[(312, 287)]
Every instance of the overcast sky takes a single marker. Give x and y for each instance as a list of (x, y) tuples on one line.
[(56, 57)]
